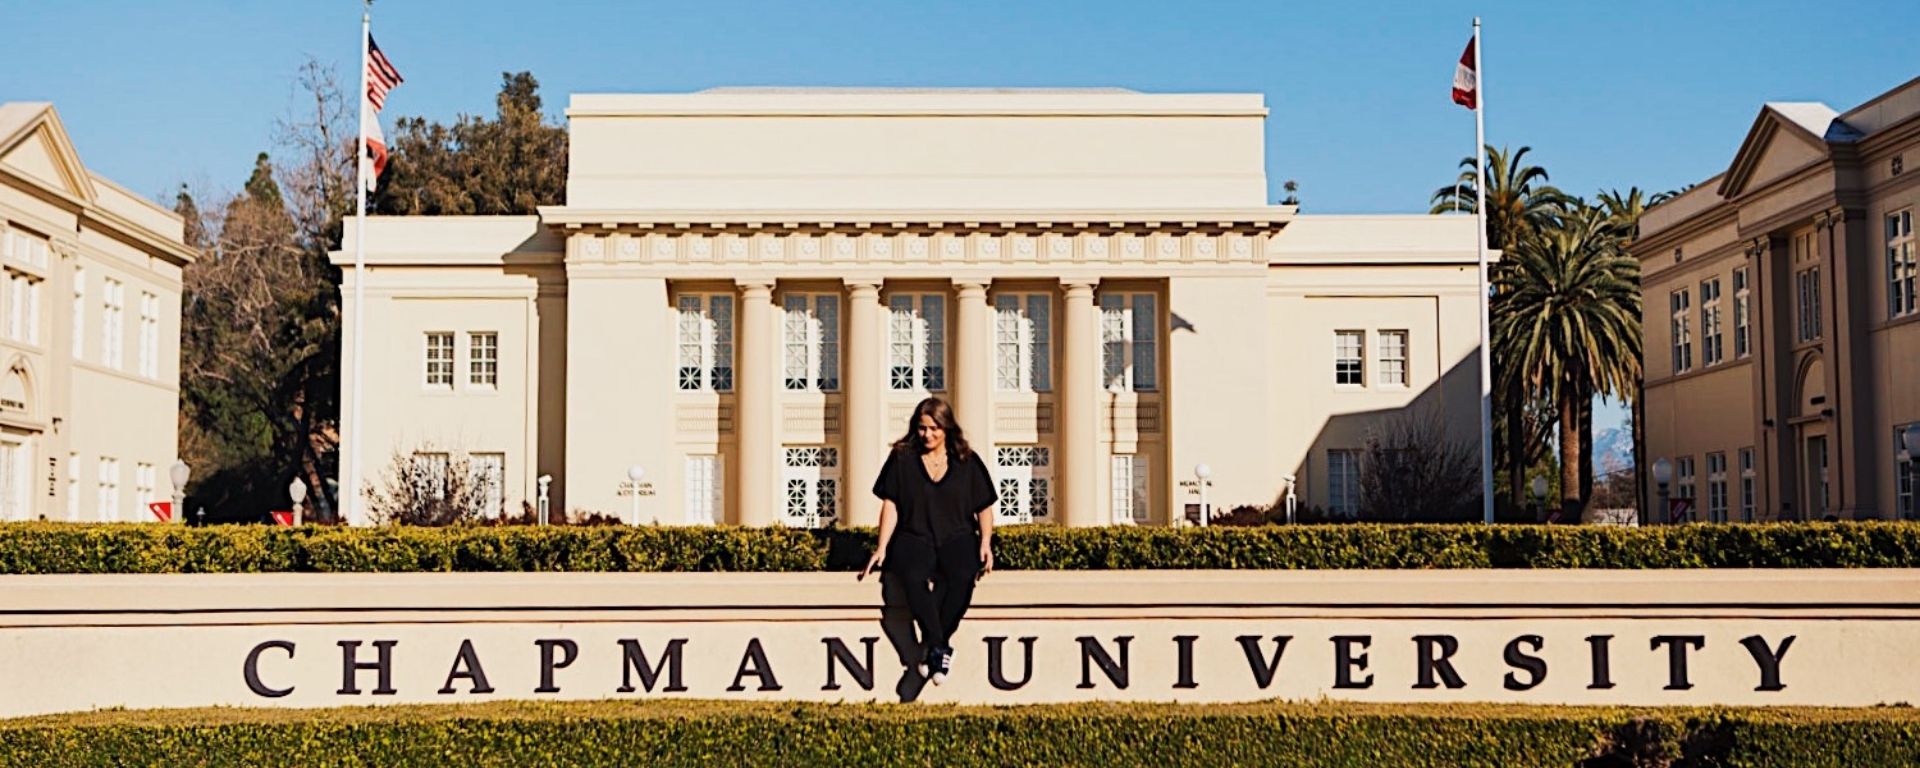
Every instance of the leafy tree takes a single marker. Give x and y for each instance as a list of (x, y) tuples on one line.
[(1571, 325), (1520, 203), (260, 320), (511, 164)]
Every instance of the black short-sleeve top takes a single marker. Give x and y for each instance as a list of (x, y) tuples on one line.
[(936, 511)]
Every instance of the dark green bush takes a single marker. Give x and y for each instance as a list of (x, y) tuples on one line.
[(142, 548), (704, 733)]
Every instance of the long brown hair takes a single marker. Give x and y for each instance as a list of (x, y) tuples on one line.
[(942, 415)]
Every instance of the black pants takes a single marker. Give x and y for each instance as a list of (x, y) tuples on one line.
[(939, 582)]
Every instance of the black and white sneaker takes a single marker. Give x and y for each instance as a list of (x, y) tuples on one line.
[(929, 662), (942, 664)]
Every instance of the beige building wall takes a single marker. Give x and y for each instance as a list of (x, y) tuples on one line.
[(89, 333), (721, 214), (1809, 217)]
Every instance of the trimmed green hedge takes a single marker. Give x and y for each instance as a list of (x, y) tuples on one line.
[(707, 733), (145, 548)]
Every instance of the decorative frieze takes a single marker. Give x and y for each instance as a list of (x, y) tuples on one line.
[(978, 244)]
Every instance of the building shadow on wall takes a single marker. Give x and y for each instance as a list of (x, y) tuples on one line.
[(1452, 399)]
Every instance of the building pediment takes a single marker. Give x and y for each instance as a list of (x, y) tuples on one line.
[(1785, 137), (34, 145)]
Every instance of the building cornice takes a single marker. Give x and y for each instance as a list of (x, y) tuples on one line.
[(564, 219)]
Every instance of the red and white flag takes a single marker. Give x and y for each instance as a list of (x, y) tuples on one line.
[(382, 78), (1466, 82), (162, 510)]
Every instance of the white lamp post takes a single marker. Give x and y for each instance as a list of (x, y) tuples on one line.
[(179, 473), (1293, 502), (1540, 492), (1201, 472), (634, 473), (297, 490), (545, 480), (1662, 474)]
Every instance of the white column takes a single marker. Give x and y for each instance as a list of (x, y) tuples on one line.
[(753, 418), (860, 412), (972, 375), (1075, 400)]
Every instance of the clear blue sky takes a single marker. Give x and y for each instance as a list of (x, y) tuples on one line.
[(1616, 94)]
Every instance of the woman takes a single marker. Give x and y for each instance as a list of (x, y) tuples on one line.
[(936, 527)]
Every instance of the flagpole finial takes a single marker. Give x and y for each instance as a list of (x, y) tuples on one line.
[(1476, 19)]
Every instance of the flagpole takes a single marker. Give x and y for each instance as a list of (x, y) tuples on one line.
[(352, 503), (1480, 235)]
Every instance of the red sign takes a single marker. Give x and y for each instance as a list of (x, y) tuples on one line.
[(282, 517), (1679, 509), (162, 510)]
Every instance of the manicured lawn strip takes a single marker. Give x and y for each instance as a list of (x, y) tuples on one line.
[(699, 733), (140, 548)]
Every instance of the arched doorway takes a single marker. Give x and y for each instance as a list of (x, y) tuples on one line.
[(1816, 497)]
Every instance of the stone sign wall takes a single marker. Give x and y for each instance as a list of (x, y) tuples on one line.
[(70, 643)]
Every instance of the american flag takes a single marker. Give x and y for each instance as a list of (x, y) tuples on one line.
[(381, 76)]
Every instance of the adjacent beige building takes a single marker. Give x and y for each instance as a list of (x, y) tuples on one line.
[(89, 333), (1782, 336), (747, 290)]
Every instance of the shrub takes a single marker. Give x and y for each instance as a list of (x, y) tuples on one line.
[(147, 548), (701, 733)]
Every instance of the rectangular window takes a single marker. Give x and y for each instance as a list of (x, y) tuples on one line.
[(73, 487), (1343, 483), (79, 313), (706, 342), (1742, 313), (1393, 358), (1349, 361), (483, 359), (17, 306), (1901, 266), (149, 335), (112, 323), (488, 474), (108, 500), (1128, 341), (1905, 466), (1678, 303), (1022, 348), (706, 483), (812, 341), (1684, 466), (812, 477), (1129, 491), (1746, 485), (439, 359), (1807, 303), (143, 481), (430, 472), (917, 341), (1025, 475), (1711, 349), (1716, 487)]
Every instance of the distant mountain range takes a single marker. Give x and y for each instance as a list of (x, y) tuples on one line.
[(1612, 451)]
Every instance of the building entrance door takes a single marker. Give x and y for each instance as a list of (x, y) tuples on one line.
[(1816, 498)]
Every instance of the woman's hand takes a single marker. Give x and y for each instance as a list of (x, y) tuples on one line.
[(986, 559), (873, 564)]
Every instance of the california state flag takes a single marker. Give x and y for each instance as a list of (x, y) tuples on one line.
[(1466, 82)]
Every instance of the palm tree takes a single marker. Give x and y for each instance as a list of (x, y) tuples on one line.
[(1520, 203), (1571, 325)]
